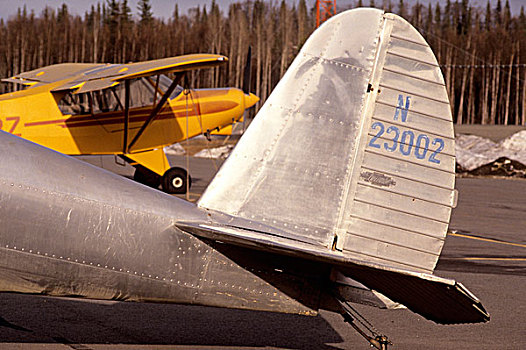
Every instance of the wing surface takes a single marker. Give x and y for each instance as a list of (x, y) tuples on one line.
[(113, 74), (172, 64), (53, 73), (91, 77)]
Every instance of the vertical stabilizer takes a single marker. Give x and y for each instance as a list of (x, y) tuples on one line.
[(354, 148)]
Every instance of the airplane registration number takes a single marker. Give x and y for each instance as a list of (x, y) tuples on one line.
[(10, 124), (407, 142)]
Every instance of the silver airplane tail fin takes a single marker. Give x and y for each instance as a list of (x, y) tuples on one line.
[(352, 157)]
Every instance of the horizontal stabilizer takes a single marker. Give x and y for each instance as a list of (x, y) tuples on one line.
[(438, 299)]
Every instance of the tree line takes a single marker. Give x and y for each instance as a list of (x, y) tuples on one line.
[(482, 51)]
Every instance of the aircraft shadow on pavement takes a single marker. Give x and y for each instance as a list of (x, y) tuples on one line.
[(37, 319), (489, 267)]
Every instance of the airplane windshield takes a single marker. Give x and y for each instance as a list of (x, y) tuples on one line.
[(113, 99), (164, 84)]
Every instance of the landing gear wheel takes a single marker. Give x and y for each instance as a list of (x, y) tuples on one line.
[(174, 181), (146, 177)]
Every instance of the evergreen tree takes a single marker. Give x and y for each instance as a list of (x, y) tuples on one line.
[(506, 16), (522, 19), (465, 17), (438, 17), (446, 22), (389, 6), (302, 22), (429, 21), (145, 11), (498, 13), (488, 20), (176, 12)]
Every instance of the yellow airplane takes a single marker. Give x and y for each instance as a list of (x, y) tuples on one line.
[(130, 110)]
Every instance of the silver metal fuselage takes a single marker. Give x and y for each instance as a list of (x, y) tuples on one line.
[(69, 228)]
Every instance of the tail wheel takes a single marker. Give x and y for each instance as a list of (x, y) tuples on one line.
[(146, 177), (174, 181)]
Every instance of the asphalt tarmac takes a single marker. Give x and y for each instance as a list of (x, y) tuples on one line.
[(486, 251)]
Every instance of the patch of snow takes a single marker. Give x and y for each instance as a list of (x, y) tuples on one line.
[(516, 142), (219, 152), (175, 150), (474, 151)]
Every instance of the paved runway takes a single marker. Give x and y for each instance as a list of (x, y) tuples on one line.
[(486, 252)]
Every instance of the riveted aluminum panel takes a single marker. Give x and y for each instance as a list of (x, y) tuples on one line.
[(373, 247), (69, 228), (419, 241), (397, 218), (410, 67), (412, 85), (447, 162), (415, 189), (416, 51), (419, 122), (293, 166)]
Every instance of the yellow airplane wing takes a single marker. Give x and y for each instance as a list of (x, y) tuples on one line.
[(172, 64), (18, 80), (112, 74), (53, 73)]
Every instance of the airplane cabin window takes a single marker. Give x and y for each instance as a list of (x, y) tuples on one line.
[(164, 84), (113, 99)]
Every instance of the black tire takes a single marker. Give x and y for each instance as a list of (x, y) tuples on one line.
[(174, 181), (146, 177)]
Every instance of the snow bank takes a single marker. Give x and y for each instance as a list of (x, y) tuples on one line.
[(474, 151)]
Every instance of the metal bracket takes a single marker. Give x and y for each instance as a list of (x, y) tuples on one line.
[(379, 341), (120, 161)]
